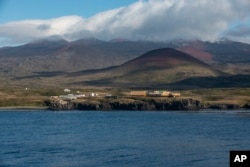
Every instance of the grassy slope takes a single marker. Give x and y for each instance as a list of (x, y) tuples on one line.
[(238, 96)]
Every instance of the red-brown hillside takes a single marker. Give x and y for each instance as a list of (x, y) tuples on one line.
[(160, 66), (197, 49), (165, 58)]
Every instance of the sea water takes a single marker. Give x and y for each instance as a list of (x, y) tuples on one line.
[(130, 139)]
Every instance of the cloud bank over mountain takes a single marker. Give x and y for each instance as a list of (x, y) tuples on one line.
[(159, 20)]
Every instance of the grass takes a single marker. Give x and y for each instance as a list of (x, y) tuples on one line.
[(16, 96), (238, 96), (35, 97)]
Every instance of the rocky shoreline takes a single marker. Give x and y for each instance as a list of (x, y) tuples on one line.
[(147, 104)]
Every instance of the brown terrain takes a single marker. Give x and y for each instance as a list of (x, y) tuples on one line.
[(215, 72), (155, 68), (198, 50), (48, 63)]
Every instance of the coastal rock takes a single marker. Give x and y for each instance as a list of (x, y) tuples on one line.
[(60, 105), (247, 106), (129, 105), (224, 106)]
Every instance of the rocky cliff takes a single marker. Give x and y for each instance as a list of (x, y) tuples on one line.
[(128, 104)]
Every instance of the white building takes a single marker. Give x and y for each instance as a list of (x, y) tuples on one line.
[(67, 90)]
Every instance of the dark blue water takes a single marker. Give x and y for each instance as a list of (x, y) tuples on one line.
[(77, 138)]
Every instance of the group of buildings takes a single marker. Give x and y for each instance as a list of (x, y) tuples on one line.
[(79, 95), (70, 96), (155, 93)]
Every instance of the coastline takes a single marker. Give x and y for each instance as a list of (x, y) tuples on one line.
[(130, 104), (24, 108), (47, 108), (141, 104)]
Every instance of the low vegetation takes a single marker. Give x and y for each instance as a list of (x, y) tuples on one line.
[(238, 96), (35, 97)]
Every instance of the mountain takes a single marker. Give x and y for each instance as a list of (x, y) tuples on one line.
[(52, 57), (160, 66), (228, 56), (63, 56), (220, 51)]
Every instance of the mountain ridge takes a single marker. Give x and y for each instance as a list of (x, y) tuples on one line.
[(165, 65), (49, 58)]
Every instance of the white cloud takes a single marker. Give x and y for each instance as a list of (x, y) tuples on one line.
[(143, 20), (240, 33)]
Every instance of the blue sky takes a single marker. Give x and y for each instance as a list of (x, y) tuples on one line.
[(23, 21), (13, 10)]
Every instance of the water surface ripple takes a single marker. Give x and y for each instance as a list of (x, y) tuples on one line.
[(131, 139)]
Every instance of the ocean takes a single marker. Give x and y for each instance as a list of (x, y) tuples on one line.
[(43, 138)]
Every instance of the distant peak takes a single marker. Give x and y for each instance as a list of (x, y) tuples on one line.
[(87, 41), (119, 40), (49, 39)]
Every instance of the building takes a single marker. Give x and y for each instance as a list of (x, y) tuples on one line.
[(138, 93), (155, 93), (67, 90)]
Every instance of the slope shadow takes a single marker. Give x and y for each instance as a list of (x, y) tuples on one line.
[(41, 74), (237, 81)]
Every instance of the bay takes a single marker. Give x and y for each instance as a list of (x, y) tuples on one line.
[(87, 138)]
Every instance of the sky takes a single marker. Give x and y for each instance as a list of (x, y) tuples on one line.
[(23, 21)]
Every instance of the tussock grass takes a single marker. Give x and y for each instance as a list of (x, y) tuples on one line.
[(238, 96)]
